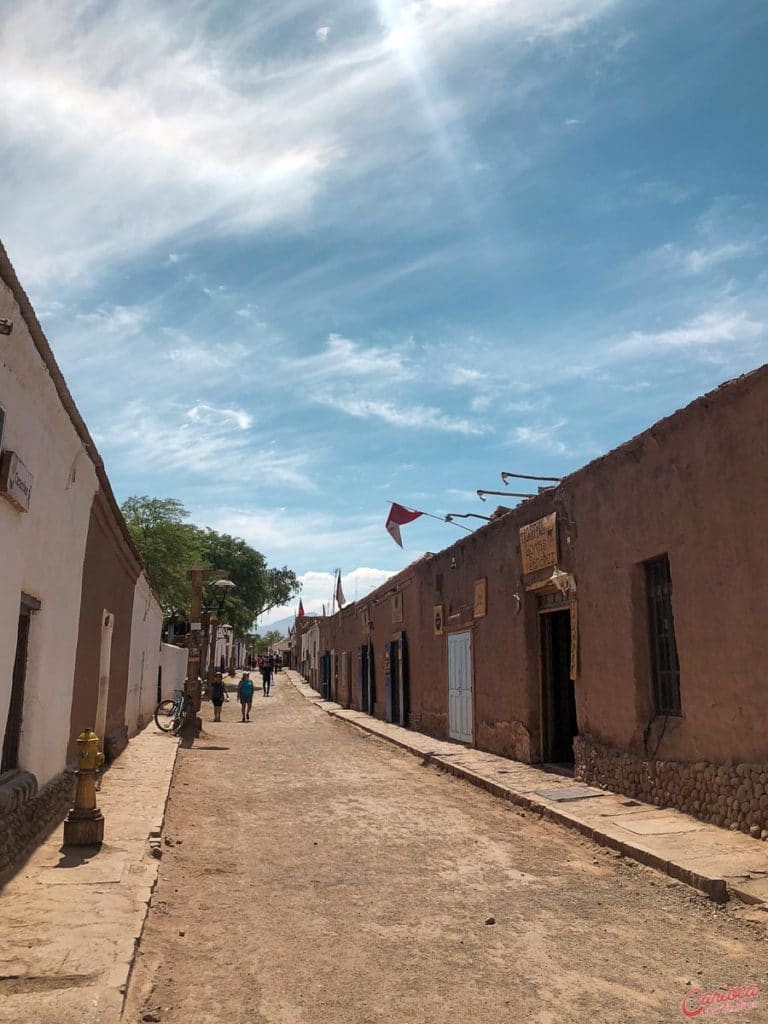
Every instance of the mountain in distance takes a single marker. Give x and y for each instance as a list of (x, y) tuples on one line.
[(283, 625)]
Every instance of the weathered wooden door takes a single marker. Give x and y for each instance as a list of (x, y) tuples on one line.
[(460, 687)]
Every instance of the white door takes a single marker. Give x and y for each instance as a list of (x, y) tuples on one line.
[(460, 686)]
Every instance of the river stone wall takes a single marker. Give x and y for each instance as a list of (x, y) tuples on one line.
[(733, 796), (32, 817)]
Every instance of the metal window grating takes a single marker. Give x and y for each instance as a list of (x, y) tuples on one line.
[(665, 667)]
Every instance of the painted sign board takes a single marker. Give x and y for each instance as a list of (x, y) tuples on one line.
[(439, 619), (538, 544), (15, 481)]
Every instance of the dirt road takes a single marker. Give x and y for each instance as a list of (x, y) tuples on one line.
[(319, 876)]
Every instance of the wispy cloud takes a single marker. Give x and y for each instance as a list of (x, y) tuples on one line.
[(716, 327), (122, 320), (202, 440), (543, 437), (344, 359), (699, 260), (208, 415), (210, 138), (414, 417)]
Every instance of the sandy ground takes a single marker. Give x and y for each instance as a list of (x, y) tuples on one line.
[(316, 874)]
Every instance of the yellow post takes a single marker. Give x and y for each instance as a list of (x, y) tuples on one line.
[(84, 825)]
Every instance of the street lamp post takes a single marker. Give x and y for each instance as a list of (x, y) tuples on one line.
[(223, 586)]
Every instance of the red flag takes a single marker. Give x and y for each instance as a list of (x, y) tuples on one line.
[(300, 613), (399, 516)]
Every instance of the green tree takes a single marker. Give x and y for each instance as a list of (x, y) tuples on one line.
[(272, 636), (258, 588), (168, 546)]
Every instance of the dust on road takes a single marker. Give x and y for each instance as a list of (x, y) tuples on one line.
[(317, 875)]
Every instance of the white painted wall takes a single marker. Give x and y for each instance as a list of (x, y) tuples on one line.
[(41, 551), (145, 656), (173, 661)]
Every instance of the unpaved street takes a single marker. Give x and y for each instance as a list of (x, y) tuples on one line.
[(319, 876)]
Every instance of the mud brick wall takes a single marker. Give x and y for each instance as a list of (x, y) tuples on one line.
[(733, 796), (29, 823)]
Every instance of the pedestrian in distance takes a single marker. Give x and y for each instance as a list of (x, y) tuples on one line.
[(266, 677), (245, 696), (218, 696)]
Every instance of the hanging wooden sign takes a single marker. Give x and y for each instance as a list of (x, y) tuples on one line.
[(538, 544)]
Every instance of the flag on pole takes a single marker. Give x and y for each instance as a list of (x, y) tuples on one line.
[(300, 613), (399, 516), (340, 599)]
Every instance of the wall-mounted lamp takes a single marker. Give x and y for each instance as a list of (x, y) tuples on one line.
[(454, 563), (6, 326)]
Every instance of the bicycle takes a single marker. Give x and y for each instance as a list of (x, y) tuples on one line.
[(170, 714)]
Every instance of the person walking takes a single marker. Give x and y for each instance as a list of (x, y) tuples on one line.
[(245, 696), (218, 696), (266, 677)]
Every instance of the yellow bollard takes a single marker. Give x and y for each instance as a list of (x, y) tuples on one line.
[(84, 825)]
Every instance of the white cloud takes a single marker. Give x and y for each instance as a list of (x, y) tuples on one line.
[(317, 590), (716, 327), (211, 416), (202, 441), (542, 437), (698, 260), (142, 125), (122, 320), (418, 417), (344, 359), (322, 33)]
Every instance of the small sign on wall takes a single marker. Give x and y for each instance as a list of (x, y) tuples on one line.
[(15, 481), (438, 616), (538, 544), (481, 598), (397, 607)]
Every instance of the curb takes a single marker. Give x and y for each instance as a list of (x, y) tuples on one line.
[(121, 979), (717, 888)]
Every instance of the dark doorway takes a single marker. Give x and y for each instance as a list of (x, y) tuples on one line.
[(365, 662), (12, 739), (325, 675), (396, 681), (159, 683), (559, 726)]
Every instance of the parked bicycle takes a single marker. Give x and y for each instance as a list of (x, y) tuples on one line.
[(170, 714)]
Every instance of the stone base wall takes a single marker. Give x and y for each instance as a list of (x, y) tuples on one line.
[(115, 743), (733, 796), (30, 822)]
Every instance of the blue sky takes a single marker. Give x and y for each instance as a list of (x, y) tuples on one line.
[(298, 258)]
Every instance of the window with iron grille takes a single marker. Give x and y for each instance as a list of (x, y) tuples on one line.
[(665, 667)]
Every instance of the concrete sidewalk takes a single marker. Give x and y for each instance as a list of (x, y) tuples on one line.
[(711, 859), (70, 920)]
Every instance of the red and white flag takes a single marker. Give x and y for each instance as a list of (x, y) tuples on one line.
[(300, 613), (399, 516), (340, 599)]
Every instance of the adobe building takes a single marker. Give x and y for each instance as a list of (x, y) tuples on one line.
[(612, 623), (78, 625)]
